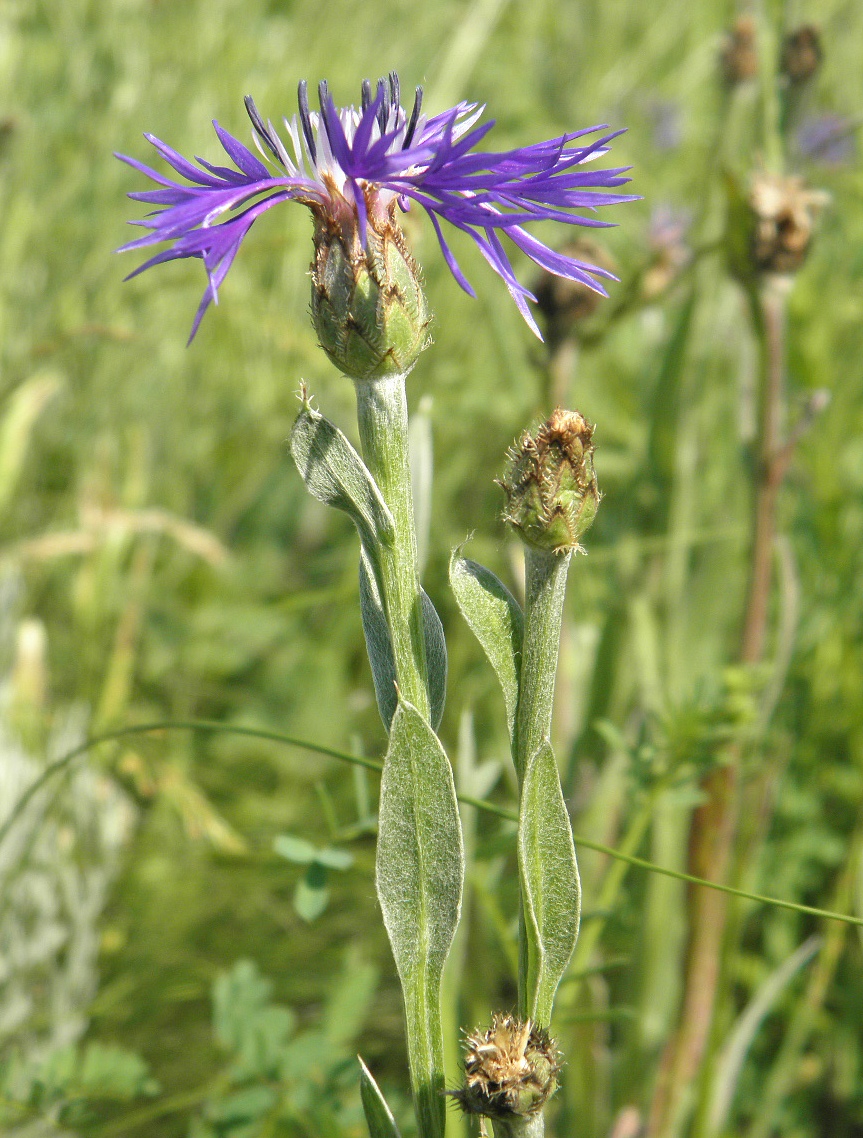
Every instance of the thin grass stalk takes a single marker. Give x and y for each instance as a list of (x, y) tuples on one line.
[(784, 1071)]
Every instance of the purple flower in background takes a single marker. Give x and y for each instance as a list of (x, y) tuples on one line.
[(828, 139), (345, 164)]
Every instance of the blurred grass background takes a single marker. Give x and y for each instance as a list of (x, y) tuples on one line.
[(161, 560)]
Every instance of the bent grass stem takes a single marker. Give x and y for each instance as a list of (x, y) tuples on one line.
[(499, 811)]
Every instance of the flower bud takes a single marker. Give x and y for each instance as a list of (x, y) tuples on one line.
[(551, 490), (801, 54), (368, 305), (739, 57), (510, 1070)]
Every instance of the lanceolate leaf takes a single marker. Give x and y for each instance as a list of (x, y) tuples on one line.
[(550, 885), (378, 1115), (436, 660), (378, 643), (335, 474), (420, 869), (496, 620), (380, 649)]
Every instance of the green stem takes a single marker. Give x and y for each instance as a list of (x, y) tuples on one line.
[(383, 422), (545, 588), (520, 1126)]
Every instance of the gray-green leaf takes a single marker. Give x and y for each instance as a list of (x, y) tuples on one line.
[(436, 659), (380, 649), (378, 1115), (496, 619), (335, 474), (551, 889), (378, 643), (420, 870)]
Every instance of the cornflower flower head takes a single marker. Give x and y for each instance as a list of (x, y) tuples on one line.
[(355, 169)]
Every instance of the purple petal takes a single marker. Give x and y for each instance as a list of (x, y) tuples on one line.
[(449, 257), (241, 155)]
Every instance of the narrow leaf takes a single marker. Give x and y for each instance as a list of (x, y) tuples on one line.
[(380, 649), (20, 412), (378, 1115), (335, 474), (378, 643), (496, 619), (742, 1035), (550, 885), (350, 999), (420, 869), (436, 659)]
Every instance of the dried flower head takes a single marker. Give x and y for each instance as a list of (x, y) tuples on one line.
[(510, 1069), (550, 486), (739, 56), (801, 54), (354, 168), (784, 211)]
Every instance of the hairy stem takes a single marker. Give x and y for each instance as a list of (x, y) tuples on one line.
[(383, 423), (520, 1126), (770, 471)]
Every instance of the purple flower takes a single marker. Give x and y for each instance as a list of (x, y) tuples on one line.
[(342, 163), (828, 139)]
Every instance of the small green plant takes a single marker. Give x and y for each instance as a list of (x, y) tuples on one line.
[(70, 1086), (311, 895), (280, 1077)]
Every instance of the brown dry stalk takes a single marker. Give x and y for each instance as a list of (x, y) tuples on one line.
[(714, 824)]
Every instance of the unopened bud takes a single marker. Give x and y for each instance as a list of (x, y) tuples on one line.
[(510, 1070), (551, 490), (801, 54), (739, 58), (368, 305)]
